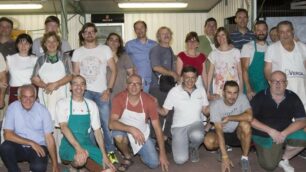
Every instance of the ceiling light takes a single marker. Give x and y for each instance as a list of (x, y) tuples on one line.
[(152, 4), (20, 6)]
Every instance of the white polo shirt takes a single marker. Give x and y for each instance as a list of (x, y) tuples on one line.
[(187, 107)]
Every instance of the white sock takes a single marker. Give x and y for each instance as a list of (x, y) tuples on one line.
[(244, 157)]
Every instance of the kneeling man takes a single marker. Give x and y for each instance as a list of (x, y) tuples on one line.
[(131, 111), (279, 119), (76, 116), (187, 128), (231, 116)]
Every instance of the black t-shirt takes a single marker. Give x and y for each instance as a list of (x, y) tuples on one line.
[(277, 116)]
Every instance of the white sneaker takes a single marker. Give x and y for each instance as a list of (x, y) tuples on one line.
[(284, 164)]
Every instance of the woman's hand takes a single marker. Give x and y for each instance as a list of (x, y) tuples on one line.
[(51, 87)]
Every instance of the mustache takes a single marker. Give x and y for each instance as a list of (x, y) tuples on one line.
[(261, 37)]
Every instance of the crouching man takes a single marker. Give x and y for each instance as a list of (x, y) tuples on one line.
[(274, 110), (28, 135), (131, 111), (187, 128), (231, 116)]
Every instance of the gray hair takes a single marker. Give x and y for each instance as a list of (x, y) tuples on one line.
[(27, 87)]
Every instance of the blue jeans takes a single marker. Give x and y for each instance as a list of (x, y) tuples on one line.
[(12, 153), (146, 85), (148, 153), (104, 113)]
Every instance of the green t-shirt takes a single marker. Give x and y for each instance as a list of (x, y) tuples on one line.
[(204, 46)]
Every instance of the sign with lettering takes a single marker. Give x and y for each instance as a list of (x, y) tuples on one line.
[(107, 18)]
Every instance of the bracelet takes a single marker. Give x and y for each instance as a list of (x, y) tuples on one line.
[(224, 157)]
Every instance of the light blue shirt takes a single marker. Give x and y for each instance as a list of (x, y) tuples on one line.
[(32, 124), (139, 54)]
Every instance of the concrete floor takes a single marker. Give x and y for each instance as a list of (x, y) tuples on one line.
[(208, 163)]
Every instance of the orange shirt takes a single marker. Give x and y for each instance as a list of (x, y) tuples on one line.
[(149, 105)]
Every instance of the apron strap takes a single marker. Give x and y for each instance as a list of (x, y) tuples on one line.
[(127, 100), (255, 46)]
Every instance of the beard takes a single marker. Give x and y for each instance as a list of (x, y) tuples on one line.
[(261, 37)]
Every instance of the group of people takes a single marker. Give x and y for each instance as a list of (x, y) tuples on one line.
[(80, 106)]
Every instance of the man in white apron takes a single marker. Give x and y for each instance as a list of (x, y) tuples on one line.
[(131, 112), (288, 56)]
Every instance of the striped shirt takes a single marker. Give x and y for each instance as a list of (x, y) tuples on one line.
[(238, 39)]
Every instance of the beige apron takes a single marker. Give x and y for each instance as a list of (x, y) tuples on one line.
[(50, 73), (137, 120)]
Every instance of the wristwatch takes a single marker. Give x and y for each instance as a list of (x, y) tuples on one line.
[(110, 90)]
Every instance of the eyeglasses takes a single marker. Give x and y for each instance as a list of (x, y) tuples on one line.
[(89, 32), (135, 83), (278, 82)]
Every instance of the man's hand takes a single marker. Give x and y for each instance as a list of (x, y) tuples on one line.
[(105, 95), (38, 149), (80, 157), (107, 163), (226, 164), (55, 167), (277, 137), (225, 120), (138, 135), (250, 94), (164, 163)]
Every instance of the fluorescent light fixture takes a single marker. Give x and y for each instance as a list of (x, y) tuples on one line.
[(152, 4), (20, 6)]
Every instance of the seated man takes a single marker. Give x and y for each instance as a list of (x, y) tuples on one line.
[(28, 135), (187, 128), (274, 110), (76, 115), (231, 116), (131, 110)]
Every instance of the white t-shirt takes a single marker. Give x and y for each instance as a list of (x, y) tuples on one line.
[(187, 108), (78, 108), (93, 63), (248, 50), (276, 50), (20, 69), (292, 63), (226, 67)]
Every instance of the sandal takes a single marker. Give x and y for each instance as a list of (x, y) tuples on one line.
[(125, 164)]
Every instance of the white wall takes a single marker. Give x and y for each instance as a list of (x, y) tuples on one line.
[(180, 23), (228, 8)]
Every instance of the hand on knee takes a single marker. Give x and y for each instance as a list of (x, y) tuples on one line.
[(79, 160), (210, 141), (245, 127)]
